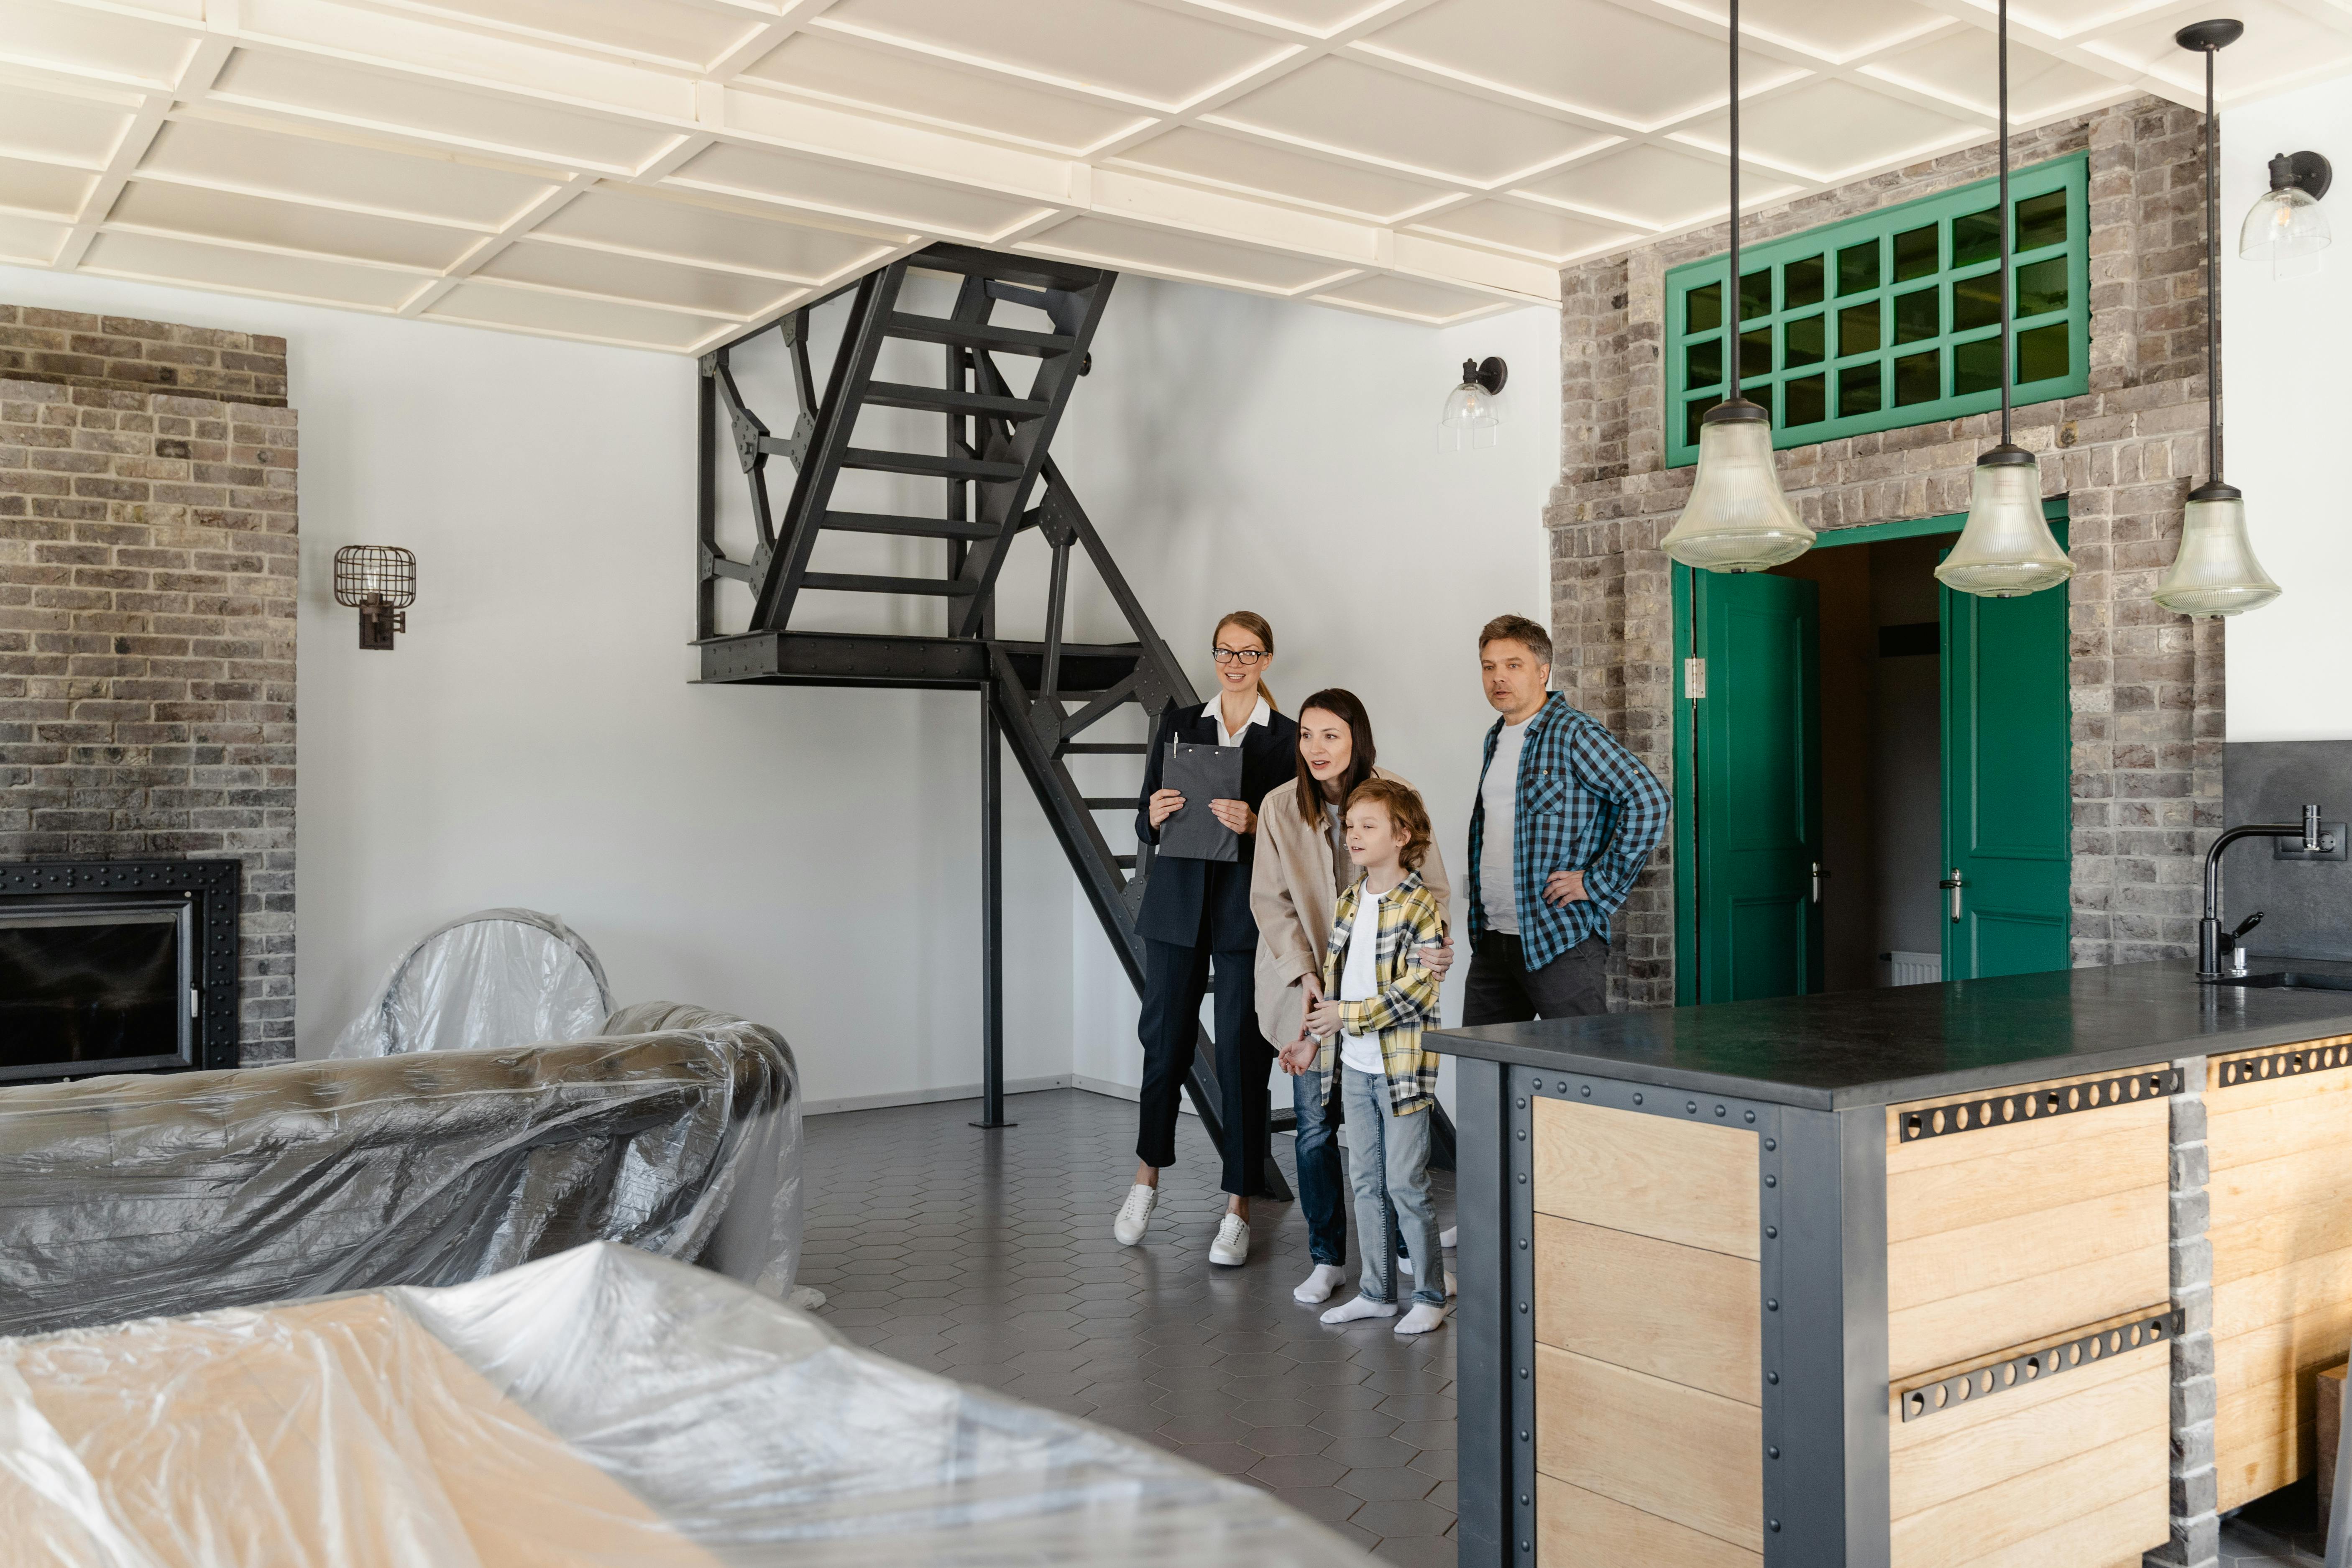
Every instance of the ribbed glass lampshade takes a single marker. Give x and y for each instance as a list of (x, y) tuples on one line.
[(1736, 519), (2215, 574), (2288, 228), (2006, 550), (1472, 419)]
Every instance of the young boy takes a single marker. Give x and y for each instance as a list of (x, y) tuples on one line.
[(1378, 996)]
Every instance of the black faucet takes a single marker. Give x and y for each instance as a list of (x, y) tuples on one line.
[(2209, 929)]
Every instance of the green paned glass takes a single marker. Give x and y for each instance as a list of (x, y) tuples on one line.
[(1918, 315), (1801, 401), (1755, 295), (1755, 352), (2041, 286), (1859, 390), (1801, 340), (1858, 268), (1703, 363), (1916, 253), (1693, 412), (1702, 308), (1918, 378), (1858, 329), (1976, 301), (1976, 237), (2043, 354), (1801, 283), (2042, 220), (1976, 366)]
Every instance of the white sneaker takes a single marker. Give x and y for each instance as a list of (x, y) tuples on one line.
[(1317, 1287), (1421, 1319), (1445, 1237), (1232, 1245), (1405, 1265), (1361, 1307), (1134, 1214)]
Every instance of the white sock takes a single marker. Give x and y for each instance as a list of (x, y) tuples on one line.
[(1317, 1286), (1361, 1307), (1421, 1319)]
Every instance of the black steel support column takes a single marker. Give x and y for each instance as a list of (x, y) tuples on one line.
[(992, 919), (1484, 1362)]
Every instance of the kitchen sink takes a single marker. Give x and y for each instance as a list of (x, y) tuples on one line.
[(2294, 980)]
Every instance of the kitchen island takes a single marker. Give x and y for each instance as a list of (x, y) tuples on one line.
[(1900, 1279)]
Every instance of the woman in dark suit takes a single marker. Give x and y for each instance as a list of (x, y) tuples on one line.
[(1193, 908)]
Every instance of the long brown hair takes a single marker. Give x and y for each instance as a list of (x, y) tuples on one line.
[(1344, 707), (1255, 625)]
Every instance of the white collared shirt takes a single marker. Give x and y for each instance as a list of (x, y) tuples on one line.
[(1213, 708)]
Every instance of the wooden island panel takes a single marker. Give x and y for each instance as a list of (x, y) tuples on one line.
[(2280, 1223)]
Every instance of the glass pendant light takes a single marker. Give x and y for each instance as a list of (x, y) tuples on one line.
[(1736, 519), (1473, 410), (2006, 550), (2286, 227), (2215, 573)]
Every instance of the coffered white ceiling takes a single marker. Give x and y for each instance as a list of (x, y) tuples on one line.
[(668, 174)]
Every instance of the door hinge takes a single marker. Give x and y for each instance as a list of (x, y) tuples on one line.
[(1693, 678)]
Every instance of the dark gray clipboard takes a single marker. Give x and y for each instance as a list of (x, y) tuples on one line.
[(1201, 774)]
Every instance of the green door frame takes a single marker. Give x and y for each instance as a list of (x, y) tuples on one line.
[(1685, 838)]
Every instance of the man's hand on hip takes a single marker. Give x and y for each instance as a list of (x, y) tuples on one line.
[(1562, 889)]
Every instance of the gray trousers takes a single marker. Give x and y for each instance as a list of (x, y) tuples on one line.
[(1502, 990)]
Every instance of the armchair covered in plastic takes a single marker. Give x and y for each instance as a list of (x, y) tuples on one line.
[(676, 1131), (496, 977), (600, 1407)]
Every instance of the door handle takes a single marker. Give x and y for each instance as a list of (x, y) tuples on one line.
[(1818, 875), (1955, 882)]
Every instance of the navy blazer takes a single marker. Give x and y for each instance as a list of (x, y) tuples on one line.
[(1180, 892)]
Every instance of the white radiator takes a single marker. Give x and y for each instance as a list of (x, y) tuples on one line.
[(1915, 968)]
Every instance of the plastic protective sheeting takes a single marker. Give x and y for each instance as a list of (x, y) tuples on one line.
[(129, 1197), (601, 1407), (496, 977)]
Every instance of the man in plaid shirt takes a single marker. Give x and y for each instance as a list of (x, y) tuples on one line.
[(1564, 821)]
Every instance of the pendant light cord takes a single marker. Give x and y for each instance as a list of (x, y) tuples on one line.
[(1735, 305), (2213, 295), (2007, 222)]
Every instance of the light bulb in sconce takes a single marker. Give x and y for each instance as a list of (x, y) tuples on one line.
[(1473, 410), (2286, 227)]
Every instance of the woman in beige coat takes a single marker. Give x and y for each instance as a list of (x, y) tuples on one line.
[(1300, 866)]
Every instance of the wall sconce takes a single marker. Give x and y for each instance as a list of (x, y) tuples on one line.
[(379, 581), (1472, 412), (2286, 222)]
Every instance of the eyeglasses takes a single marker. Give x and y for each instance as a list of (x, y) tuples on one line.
[(1240, 656)]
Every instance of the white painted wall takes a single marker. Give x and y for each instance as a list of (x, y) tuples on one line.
[(2284, 349)]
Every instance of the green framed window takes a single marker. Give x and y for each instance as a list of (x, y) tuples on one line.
[(1890, 319)]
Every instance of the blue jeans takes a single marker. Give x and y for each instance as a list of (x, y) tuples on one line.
[(1388, 1167), (1322, 1187)]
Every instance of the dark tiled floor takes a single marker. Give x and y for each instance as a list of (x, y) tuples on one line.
[(987, 1256), (2280, 1530)]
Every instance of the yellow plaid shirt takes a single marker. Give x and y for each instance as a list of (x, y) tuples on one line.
[(1404, 992)]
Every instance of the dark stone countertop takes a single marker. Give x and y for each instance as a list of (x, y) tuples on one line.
[(1916, 1042)]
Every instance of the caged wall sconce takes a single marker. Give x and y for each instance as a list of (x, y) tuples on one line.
[(379, 581)]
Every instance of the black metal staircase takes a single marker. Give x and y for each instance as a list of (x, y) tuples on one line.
[(1047, 697)]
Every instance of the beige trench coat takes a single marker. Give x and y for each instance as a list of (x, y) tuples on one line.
[(1293, 899)]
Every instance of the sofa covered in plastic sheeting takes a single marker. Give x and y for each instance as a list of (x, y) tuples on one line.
[(678, 1131), (600, 1407), (496, 977)]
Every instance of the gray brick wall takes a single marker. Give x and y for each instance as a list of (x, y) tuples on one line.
[(2147, 685), (69, 348), (147, 576)]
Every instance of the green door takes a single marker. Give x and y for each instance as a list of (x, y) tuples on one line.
[(2005, 797), (1758, 743)]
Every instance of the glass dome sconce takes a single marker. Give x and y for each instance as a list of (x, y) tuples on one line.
[(2286, 227), (1473, 410), (379, 581)]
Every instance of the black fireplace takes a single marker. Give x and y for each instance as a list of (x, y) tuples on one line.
[(110, 966)]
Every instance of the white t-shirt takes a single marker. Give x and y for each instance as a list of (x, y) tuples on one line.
[(1358, 975), (1500, 791)]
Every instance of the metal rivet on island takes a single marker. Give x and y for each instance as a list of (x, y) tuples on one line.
[(1770, 1144), (1586, 1091), (1773, 1377), (1771, 1303), (1771, 1181), (1523, 1134), (1751, 1116), (1522, 1104), (1771, 1453), (1637, 1097), (1721, 1111), (1691, 1107), (1772, 1233)]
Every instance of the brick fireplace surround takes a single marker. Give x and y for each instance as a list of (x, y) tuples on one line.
[(147, 595)]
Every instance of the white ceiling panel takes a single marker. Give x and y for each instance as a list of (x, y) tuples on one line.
[(1412, 124), (1121, 47), (659, 224), (665, 172), (1237, 163), (841, 69)]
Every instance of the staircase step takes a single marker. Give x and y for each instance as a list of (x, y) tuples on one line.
[(847, 582), (947, 400), (1124, 862), (1036, 272), (1111, 803), (978, 335), (915, 526), (1107, 748), (946, 468)]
